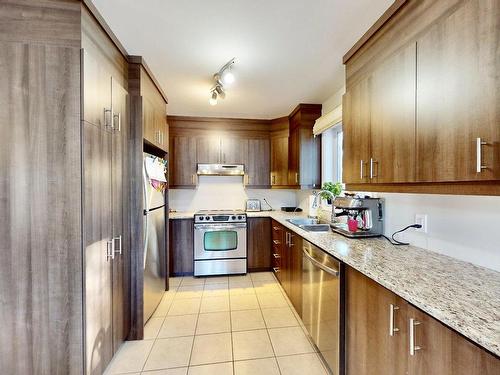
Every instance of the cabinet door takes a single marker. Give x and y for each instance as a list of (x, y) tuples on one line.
[(150, 128), (439, 350), (208, 150), (370, 348), (457, 95), (294, 155), (279, 161), (258, 163), (259, 244), (181, 247), (234, 150), (392, 118), (98, 234), (182, 161), (121, 208), (309, 167), (296, 273), (356, 129), (278, 239), (160, 125), (96, 92)]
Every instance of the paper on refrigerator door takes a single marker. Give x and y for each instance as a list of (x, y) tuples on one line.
[(155, 169)]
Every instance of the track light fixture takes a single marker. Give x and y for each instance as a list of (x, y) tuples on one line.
[(224, 77)]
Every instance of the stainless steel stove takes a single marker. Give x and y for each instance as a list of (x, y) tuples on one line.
[(220, 242)]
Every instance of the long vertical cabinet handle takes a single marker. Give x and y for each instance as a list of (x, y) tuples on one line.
[(362, 176), (479, 162), (372, 162), (118, 118), (392, 328), (290, 243), (120, 249), (108, 114), (110, 250), (413, 347)]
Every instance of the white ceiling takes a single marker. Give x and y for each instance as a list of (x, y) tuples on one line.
[(287, 51)]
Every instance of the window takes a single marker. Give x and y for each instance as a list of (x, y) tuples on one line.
[(331, 154)]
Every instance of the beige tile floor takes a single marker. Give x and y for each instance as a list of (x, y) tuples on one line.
[(236, 325)]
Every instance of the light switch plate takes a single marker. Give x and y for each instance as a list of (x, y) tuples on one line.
[(422, 220)]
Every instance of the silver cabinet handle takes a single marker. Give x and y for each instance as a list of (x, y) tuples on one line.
[(286, 238), (118, 251), (479, 163), (276, 256), (246, 179), (117, 118), (276, 242), (276, 269), (290, 243), (413, 347), (107, 118), (110, 250), (273, 179), (392, 328), (372, 162), (276, 228), (296, 178), (361, 169), (320, 265)]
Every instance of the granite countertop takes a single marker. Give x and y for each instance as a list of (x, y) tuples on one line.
[(463, 296)]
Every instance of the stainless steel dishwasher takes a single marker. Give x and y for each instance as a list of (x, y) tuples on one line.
[(321, 303)]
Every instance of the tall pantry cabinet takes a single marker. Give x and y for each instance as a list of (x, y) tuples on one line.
[(64, 211)]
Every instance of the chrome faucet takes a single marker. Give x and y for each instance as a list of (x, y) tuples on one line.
[(315, 202)]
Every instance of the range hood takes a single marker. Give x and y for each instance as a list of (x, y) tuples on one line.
[(221, 170)]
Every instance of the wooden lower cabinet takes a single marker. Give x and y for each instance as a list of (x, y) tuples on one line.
[(371, 349), (259, 244), (181, 247), (287, 262)]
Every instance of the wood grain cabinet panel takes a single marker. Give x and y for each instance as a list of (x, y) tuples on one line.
[(295, 265), (392, 118), (181, 247), (149, 123), (182, 161), (259, 244), (97, 237), (279, 161), (370, 349), (208, 150), (458, 95), (356, 129), (258, 164), (440, 350)]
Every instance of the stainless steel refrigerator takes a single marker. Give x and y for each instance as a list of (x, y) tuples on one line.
[(155, 253)]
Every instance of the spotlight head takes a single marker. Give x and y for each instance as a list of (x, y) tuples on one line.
[(213, 98)]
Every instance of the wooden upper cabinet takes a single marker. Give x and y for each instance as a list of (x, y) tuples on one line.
[(182, 161), (356, 129), (257, 167), (304, 150), (370, 349), (208, 149), (279, 161), (458, 95), (392, 118), (233, 150), (148, 120), (439, 350)]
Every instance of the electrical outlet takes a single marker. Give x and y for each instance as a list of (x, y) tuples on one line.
[(422, 220)]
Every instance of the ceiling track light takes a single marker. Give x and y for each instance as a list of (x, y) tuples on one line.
[(223, 77)]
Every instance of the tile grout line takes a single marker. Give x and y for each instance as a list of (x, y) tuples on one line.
[(268, 335), (195, 329)]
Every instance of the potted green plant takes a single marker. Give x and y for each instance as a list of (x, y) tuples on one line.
[(334, 188)]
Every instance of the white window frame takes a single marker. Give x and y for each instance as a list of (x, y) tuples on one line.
[(331, 154)]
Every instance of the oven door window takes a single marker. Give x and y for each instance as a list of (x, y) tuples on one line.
[(223, 240)]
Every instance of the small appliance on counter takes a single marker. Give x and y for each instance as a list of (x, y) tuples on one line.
[(253, 205), (365, 216), (291, 209)]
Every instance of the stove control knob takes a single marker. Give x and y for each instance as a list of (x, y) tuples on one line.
[(207, 217), (201, 217), (233, 217), (240, 217)]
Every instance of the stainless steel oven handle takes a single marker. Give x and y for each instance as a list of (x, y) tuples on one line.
[(216, 227), (320, 265)]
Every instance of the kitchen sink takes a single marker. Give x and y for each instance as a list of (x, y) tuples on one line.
[(310, 225)]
